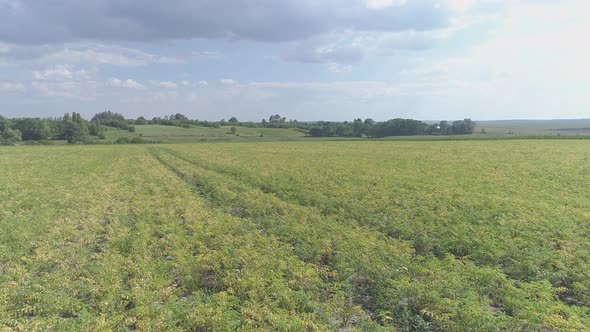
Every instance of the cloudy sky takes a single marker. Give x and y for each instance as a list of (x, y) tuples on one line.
[(303, 59)]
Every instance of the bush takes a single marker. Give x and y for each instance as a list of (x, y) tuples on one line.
[(41, 142), (133, 140), (10, 136), (123, 140)]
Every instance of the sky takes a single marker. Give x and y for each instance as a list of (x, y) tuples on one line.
[(303, 59)]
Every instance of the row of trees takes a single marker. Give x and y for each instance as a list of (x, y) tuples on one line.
[(394, 127), (74, 128), (8, 136)]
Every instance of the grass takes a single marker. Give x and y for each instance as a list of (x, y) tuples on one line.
[(369, 235), (574, 127), (171, 134), (495, 130)]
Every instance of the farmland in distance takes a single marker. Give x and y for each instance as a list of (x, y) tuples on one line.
[(368, 235)]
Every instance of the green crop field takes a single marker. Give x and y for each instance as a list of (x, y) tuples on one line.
[(576, 127), (296, 236), (171, 134)]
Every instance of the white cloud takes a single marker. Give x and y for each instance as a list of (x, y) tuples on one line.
[(87, 53), (12, 87), (532, 65), (63, 81), (382, 4), (129, 84), (521, 58), (211, 55), (350, 47), (338, 68), (460, 5), (71, 89), (168, 85), (169, 60), (121, 57), (136, 20), (55, 73), (228, 81), (164, 97)]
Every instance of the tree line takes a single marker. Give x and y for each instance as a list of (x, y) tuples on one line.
[(73, 128), (393, 127)]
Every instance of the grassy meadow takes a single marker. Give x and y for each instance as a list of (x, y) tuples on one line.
[(485, 130), (545, 128), (296, 236), (171, 134)]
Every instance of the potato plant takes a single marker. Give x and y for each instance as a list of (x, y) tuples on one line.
[(296, 236)]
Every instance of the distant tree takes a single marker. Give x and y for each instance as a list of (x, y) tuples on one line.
[(316, 132), (179, 117), (111, 119), (276, 118), (74, 128), (233, 130), (4, 123), (469, 126), (462, 127), (233, 119), (358, 127), (10, 136), (96, 129), (369, 127), (32, 129), (108, 116), (141, 121), (131, 129), (444, 128), (400, 127)]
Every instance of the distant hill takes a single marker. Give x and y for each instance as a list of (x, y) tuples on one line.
[(536, 127)]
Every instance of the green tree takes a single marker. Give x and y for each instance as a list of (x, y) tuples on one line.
[(369, 127), (10, 136), (108, 116), (111, 119), (141, 121), (358, 127), (96, 129), (469, 126), (444, 128), (276, 118), (32, 129), (74, 128), (4, 123), (233, 119), (179, 117)]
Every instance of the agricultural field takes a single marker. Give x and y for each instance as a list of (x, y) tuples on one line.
[(171, 134), (296, 236), (564, 127)]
